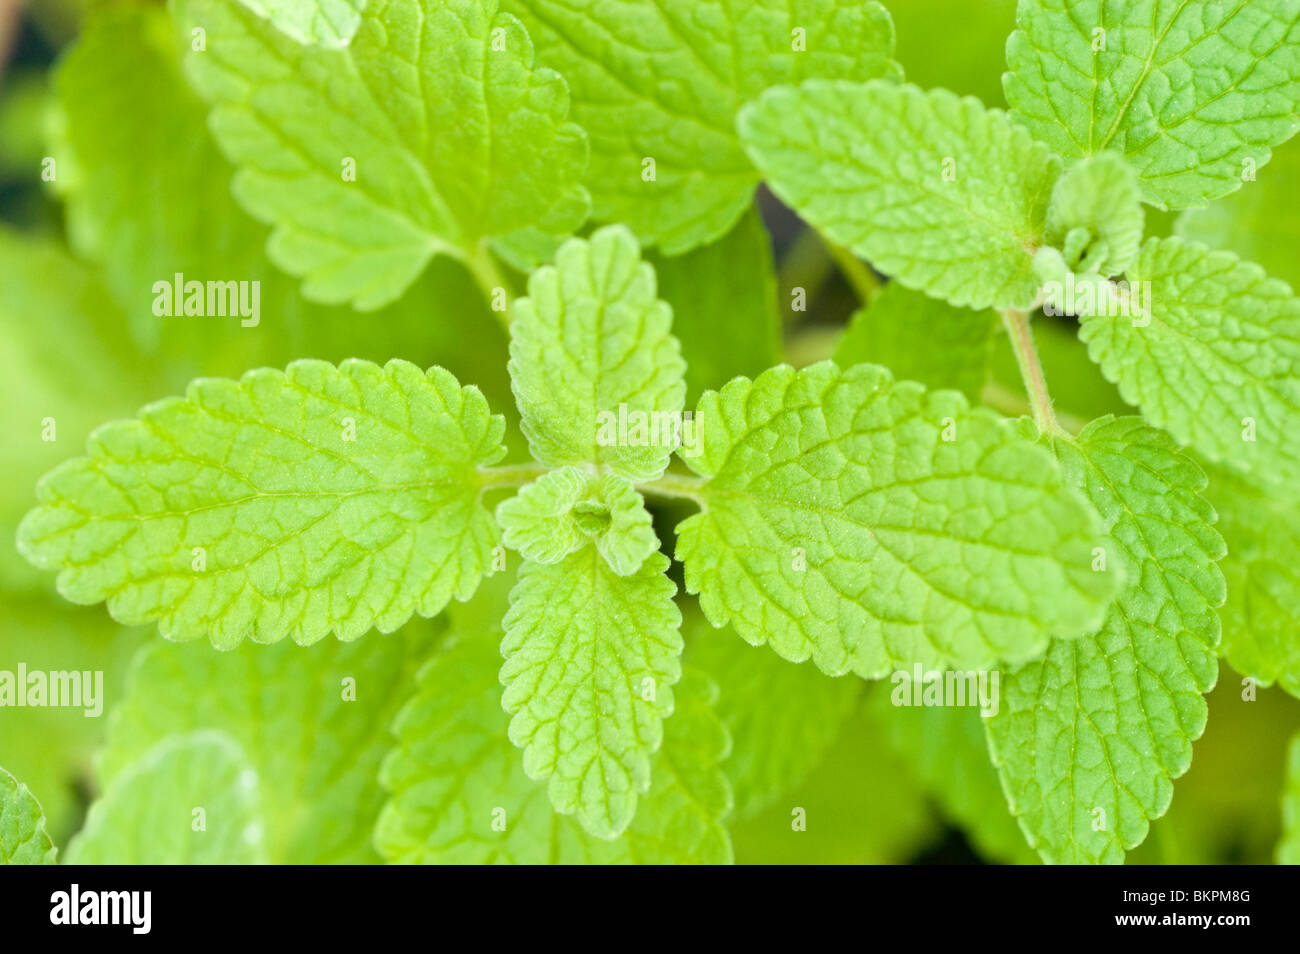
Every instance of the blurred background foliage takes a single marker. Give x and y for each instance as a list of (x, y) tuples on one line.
[(94, 86)]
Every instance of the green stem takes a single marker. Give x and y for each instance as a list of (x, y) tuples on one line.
[(856, 272), (1031, 369), (675, 485), (511, 475), (489, 278)]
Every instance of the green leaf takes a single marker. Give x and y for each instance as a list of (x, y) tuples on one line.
[(1261, 619), (1188, 91), (1213, 358), (662, 80), (52, 395), (455, 136), (782, 719), (1288, 851), (460, 795), (597, 374), (724, 306), (860, 805), (1096, 216), (840, 523), (1089, 740), (945, 196), (125, 105), (946, 749), (590, 661), (328, 23), (568, 508), (193, 799), (1260, 222), (957, 342), (312, 722), (296, 503), (23, 840)]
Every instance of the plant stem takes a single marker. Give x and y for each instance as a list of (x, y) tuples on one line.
[(511, 475), (489, 278), (856, 272), (675, 485), (1031, 369)]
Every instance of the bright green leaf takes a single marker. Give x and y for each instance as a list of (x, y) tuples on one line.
[(329, 23), (460, 795), (597, 374), (660, 81), (1095, 215), (1213, 357), (1089, 740), (568, 508), (148, 815), (296, 503), (934, 190), (590, 661), (958, 342), (313, 722), (1260, 222), (424, 136), (23, 840), (1190, 91), (871, 525), (1261, 619)]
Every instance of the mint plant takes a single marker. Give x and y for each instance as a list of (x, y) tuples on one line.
[(671, 574)]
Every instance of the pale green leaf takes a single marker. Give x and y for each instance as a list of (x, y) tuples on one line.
[(1260, 222), (1288, 851), (125, 105), (193, 799), (568, 508), (597, 374), (946, 749), (662, 80), (296, 503), (1089, 740), (329, 23), (840, 523), (782, 718), (1095, 216), (1261, 619), (1213, 357), (460, 795), (923, 339), (724, 301), (313, 722), (23, 840), (1189, 91), (934, 190), (590, 661), (454, 135)]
